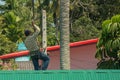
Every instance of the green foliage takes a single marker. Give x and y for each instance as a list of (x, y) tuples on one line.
[(108, 64), (108, 45), (7, 46), (8, 65), (83, 29), (11, 26)]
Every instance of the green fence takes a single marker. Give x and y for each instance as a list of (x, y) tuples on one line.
[(61, 75)]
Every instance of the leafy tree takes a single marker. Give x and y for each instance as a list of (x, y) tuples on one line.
[(17, 18), (83, 29), (102, 10), (11, 26), (108, 49), (6, 44), (82, 26)]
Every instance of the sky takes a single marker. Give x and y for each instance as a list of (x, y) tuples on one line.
[(2, 2)]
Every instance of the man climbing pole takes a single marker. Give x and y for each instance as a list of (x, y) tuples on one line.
[(32, 46)]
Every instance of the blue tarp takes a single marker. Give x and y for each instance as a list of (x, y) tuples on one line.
[(21, 47)]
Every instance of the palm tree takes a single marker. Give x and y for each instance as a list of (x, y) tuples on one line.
[(64, 35)]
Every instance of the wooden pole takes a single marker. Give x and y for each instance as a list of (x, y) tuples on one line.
[(44, 31)]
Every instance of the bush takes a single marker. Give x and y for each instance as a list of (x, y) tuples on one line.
[(108, 46)]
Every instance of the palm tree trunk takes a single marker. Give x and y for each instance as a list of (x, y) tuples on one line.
[(64, 35)]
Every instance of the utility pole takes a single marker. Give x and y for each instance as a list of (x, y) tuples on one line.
[(44, 31)]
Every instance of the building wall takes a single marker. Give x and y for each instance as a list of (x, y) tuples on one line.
[(81, 57)]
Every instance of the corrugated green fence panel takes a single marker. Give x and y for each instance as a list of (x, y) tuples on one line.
[(61, 75)]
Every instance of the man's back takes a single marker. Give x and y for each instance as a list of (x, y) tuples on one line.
[(31, 40), (31, 43)]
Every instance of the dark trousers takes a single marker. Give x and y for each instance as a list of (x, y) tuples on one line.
[(45, 60)]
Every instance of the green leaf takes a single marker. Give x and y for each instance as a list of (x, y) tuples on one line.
[(108, 26), (108, 45), (115, 44), (115, 18), (99, 43), (17, 19), (105, 23), (114, 28), (98, 54)]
